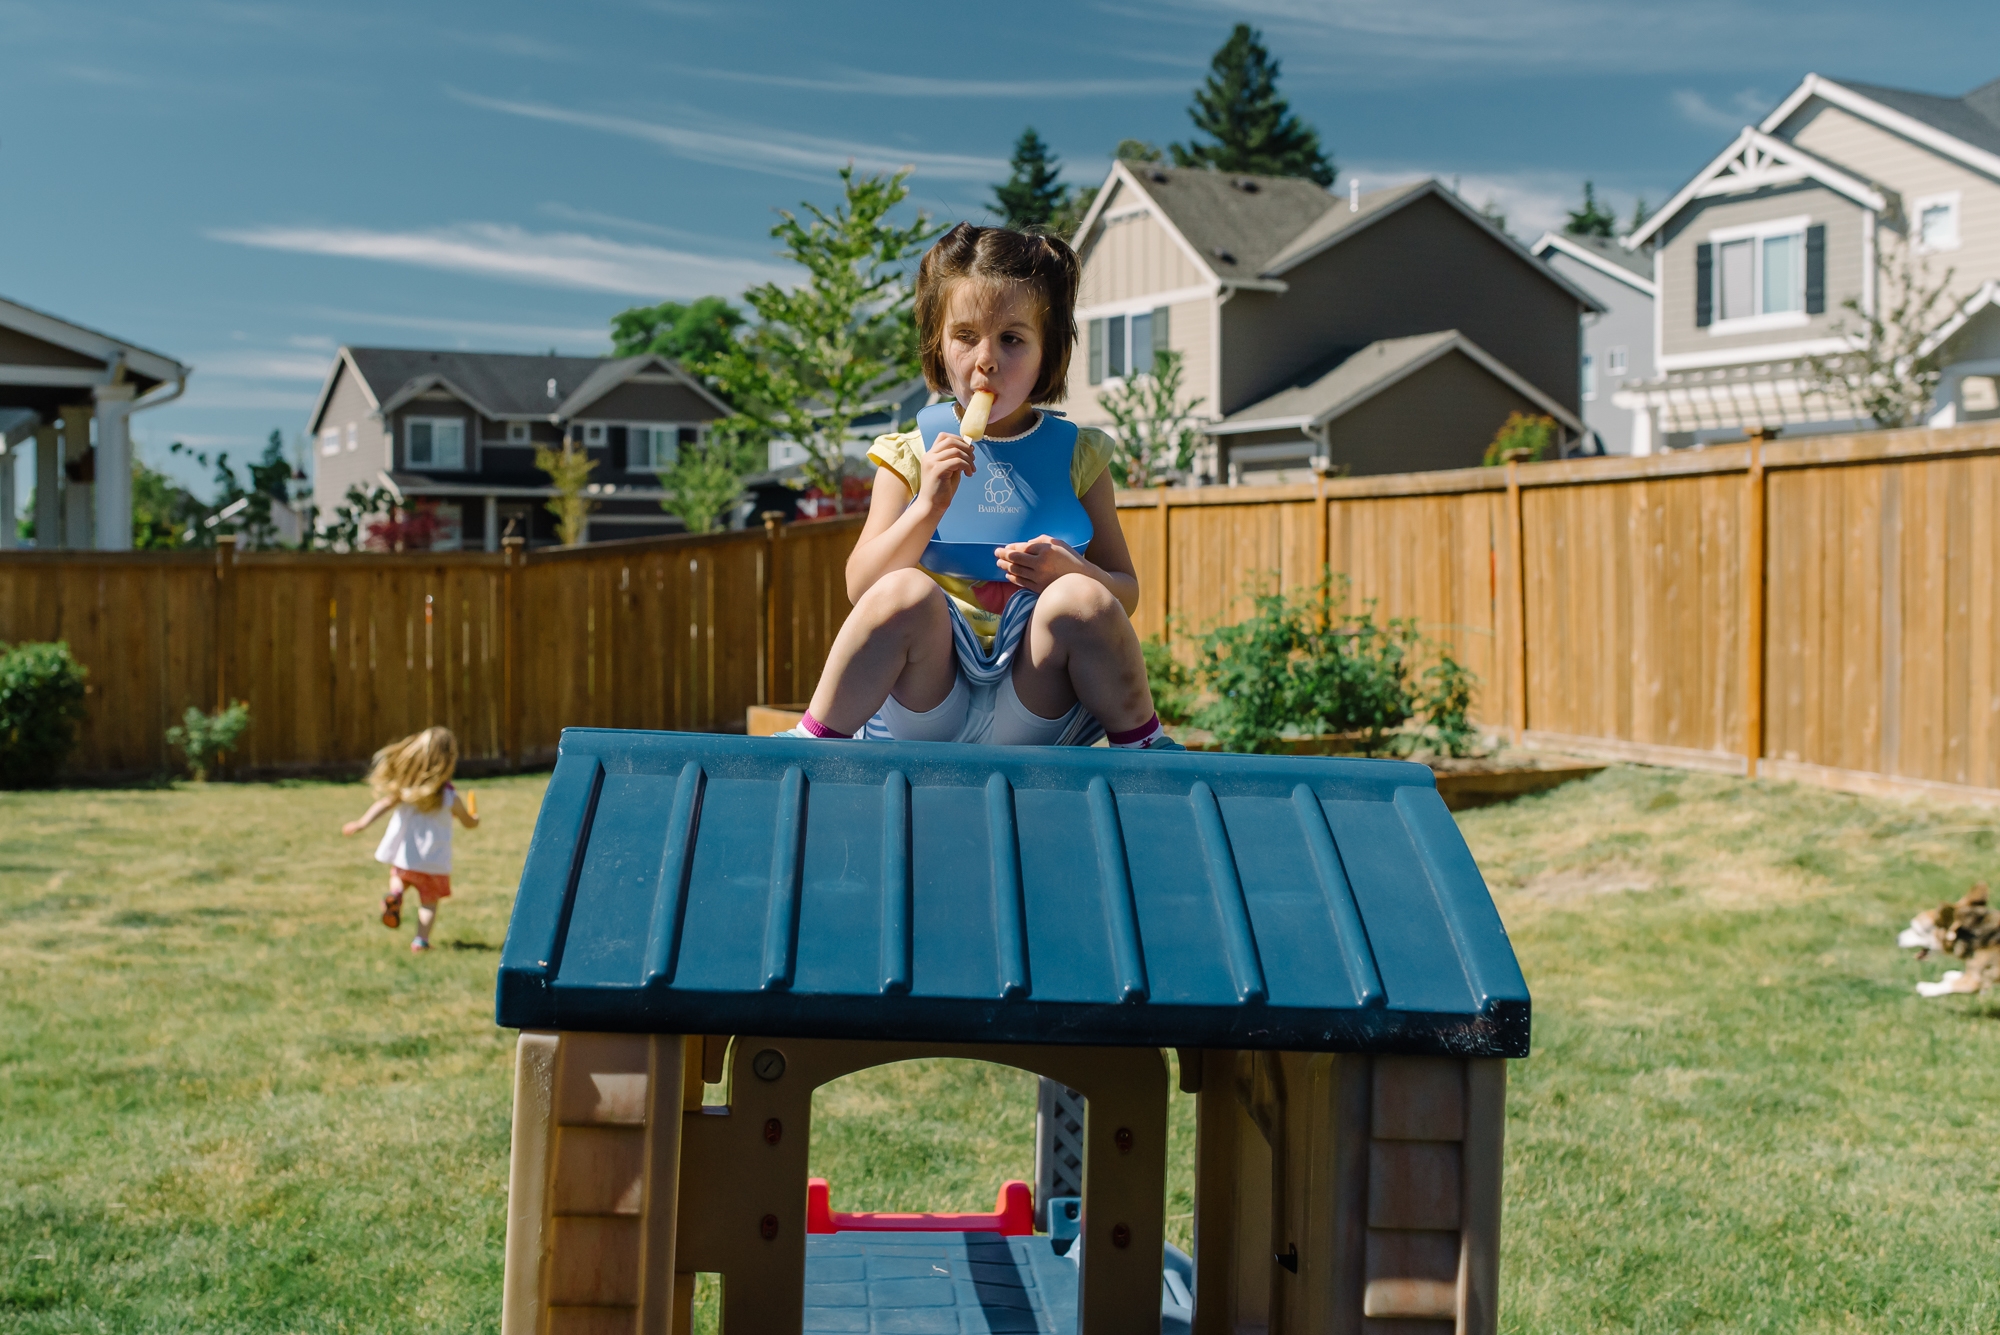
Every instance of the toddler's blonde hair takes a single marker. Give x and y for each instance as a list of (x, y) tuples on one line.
[(416, 769)]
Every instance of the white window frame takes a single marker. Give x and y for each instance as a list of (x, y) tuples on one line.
[(1615, 361), (409, 431), (329, 440), (700, 430), (1125, 309), (1948, 200), (518, 434), (595, 434), (1758, 233), (1589, 378), (353, 438)]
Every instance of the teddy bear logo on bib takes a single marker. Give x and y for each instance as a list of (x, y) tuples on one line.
[(999, 483)]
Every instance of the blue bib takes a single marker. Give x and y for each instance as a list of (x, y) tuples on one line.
[(1021, 491)]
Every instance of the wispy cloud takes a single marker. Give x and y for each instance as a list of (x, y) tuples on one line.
[(1534, 201), (590, 218), (511, 44), (501, 250), (884, 84), (238, 395), (466, 330), (264, 366), (755, 147), (1382, 40), (1745, 108)]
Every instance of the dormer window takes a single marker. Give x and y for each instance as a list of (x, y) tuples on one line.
[(593, 433), (517, 433), (1936, 218)]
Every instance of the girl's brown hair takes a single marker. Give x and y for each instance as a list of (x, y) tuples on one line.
[(995, 256), (416, 769)]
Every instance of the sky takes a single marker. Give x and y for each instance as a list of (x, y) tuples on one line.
[(246, 186)]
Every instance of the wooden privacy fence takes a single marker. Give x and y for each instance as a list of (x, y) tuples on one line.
[(338, 654), (1822, 609)]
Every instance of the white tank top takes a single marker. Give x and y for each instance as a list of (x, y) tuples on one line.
[(419, 840)]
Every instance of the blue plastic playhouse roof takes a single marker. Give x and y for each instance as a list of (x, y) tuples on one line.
[(693, 883)]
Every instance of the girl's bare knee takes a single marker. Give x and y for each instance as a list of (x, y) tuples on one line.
[(1079, 604), (901, 597)]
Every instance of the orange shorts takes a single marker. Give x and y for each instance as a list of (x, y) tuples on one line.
[(427, 884)]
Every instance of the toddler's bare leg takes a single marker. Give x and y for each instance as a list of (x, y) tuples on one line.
[(897, 638), (1081, 646), (427, 915)]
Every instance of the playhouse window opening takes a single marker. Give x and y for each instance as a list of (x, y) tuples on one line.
[(929, 1135)]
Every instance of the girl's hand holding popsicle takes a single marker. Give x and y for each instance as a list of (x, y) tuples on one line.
[(950, 456)]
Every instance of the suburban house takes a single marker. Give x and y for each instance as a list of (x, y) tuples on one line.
[(1812, 208), (1373, 333), (459, 429), (70, 391), (1617, 342)]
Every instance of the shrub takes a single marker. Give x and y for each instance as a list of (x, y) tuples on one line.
[(41, 704), (207, 739), (1523, 436), (1308, 664)]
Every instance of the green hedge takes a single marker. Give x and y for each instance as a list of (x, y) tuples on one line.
[(41, 703)]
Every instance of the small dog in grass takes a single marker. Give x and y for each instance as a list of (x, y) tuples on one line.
[(1970, 930)]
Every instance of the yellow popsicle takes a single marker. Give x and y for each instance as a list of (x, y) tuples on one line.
[(972, 425), (472, 804)]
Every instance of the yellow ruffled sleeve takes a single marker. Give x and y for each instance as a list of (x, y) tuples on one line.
[(902, 454), (1090, 458)]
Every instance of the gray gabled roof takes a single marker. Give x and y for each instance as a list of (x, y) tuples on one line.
[(1606, 251), (501, 384), (1347, 379), (1974, 118), (1237, 222)]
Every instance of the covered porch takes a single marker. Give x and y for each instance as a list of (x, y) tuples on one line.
[(67, 394)]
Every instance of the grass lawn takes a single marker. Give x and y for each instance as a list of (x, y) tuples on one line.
[(231, 1101)]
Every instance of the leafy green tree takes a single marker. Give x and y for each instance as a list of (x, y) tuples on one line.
[(1156, 433), (1890, 370), (1639, 214), (1253, 127), (691, 334), (162, 513), (1593, 219), (1137, 150), (1034, 193), (569, 472), (821, 350), (706, 478)]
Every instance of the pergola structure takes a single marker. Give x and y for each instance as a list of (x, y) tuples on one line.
[(71, 391)]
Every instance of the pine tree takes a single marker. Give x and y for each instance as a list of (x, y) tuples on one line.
[(1034, 194), (1638, 215), (1593, 219), (1253, 128)]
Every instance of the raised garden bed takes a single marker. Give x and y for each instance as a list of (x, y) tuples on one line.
[(1463, 781)]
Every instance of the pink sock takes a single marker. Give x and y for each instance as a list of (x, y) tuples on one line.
[(816, 728), (1136, 738)]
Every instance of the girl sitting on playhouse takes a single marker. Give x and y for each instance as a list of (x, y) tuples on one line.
[(992, 587)]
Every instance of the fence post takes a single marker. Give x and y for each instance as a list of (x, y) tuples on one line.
[(773, 545), (1319, 519), (516, 557), (1515, 643), (225, 617), (1753, 611), (1166, 564)]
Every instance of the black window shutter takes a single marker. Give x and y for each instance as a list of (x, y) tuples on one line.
[(614, 437), (1704, 285), (1816, 269)]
